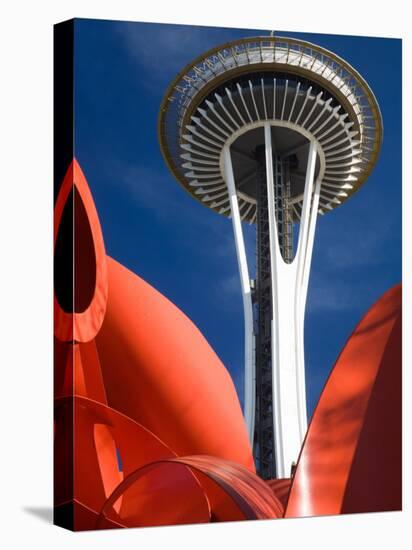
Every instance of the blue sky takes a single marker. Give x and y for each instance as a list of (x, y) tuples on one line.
[(186, 251)]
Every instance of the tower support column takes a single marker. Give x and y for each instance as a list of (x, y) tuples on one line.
[(249, 339), (289, 282), (285, 429)]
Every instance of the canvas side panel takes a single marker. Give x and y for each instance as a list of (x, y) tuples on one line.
[(63, 274)]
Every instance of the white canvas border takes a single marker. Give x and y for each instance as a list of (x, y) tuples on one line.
[(26, 268)]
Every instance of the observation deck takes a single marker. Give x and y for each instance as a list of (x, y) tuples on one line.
[(296, 85)]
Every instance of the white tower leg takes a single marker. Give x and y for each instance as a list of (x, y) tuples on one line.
[(289, 291), (250, 375)]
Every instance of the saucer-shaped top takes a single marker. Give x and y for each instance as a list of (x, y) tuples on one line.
[(304, 91)]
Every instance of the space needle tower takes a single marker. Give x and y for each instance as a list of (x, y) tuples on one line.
[(271, 131)]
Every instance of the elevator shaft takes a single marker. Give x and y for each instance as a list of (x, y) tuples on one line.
[(264, 440)]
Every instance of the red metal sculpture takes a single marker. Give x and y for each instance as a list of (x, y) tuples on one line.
[(148, 426), (352, 454)]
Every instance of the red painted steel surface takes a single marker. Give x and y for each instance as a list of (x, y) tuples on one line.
[(252, 498), (136, 383), (99, 432), (160, 370), (81, 326), (148, 426), (280, 488), (351, 457)]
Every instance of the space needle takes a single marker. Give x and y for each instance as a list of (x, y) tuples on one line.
[(272, 131)]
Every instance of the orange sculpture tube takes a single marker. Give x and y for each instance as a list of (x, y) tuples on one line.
[(351, 457), (135, 383), (159, 370)]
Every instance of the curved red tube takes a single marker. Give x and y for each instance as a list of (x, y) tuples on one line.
[(351, 458), (252, 497)]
